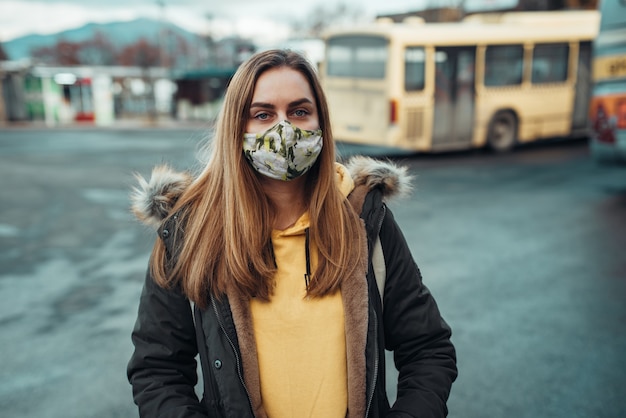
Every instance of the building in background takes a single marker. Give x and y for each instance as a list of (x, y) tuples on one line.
[(83, 94), (103, 94)]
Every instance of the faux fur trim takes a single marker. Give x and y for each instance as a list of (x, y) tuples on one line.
[(390, 178), (152, 201), (242, 317), (356, 303)]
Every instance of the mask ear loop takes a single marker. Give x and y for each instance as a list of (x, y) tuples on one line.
[(307, 275)]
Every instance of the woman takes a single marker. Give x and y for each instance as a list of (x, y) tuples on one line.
[(264, 266)]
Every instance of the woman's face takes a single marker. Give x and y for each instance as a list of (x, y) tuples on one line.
[(282, 94)]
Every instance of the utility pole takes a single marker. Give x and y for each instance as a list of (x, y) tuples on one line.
[(209, 40), (161, 4)]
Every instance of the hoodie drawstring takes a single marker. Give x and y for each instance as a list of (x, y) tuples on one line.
[(307, 275)]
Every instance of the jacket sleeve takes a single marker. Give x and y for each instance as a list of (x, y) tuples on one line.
[(162, 368), (415, 332)]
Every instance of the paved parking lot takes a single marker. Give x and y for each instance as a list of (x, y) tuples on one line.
[(524, 253)]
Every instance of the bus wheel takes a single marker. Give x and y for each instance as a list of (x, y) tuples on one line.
[(502, 134)]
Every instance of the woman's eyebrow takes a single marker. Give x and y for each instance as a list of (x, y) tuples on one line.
[(300, 102), (262, 105), (270, 106)]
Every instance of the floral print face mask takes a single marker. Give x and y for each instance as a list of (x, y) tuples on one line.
[(283, 152)]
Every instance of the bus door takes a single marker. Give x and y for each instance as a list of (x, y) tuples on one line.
[(454, 97), (580, 117)]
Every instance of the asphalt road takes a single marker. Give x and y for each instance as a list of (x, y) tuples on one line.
[(524, 253)]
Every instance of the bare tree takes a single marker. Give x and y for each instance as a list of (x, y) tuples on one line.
[(141, 53), (97, 51), (61, 53), (322, 17)]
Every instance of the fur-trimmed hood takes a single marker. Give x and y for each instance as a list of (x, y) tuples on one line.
[(153, 199)]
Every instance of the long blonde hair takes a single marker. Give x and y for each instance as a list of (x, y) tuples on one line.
[(227, 218)]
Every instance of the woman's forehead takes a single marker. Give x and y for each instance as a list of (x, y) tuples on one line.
[(282, 82)]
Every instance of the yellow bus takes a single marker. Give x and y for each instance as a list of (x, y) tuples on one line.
[(491, 80), (608, 105)]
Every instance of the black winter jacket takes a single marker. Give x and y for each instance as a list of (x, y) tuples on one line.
[(170, 332)]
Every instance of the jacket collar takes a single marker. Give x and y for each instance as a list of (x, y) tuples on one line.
[(152, 200)]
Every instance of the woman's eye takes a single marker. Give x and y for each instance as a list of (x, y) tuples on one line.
[(261, 116), (300, 113)]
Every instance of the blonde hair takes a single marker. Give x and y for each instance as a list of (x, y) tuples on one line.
[(227, 218)]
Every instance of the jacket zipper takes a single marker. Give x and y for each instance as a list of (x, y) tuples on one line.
[(375, 377), (232, 346), (379, 225)]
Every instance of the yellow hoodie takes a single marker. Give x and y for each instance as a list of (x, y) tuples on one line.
[(301, 346)]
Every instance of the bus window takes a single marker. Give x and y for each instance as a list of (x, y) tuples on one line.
[(357, 56), (504, 65), (339, 61), (550, 63), (414, 58)]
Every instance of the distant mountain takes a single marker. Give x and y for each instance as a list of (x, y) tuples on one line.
[(120, 34)]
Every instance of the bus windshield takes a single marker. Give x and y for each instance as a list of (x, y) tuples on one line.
[(357, 57)]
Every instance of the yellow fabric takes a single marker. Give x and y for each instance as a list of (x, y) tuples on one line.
[(344, 181), (301, 344)]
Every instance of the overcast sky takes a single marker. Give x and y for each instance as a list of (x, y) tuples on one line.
[(247, 17)]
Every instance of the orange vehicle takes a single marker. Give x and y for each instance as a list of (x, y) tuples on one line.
[(608, 104)]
